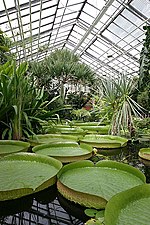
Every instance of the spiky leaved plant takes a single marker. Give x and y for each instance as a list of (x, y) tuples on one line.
[(117, 93)]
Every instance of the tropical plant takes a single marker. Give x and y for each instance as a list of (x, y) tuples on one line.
[(143, 95), (80, 114), (83, 75), (78, 99), (61, 68), (5, 44), (143, 125), (22, 105), (117, 93)]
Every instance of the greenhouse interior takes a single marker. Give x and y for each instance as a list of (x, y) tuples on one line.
[(74, 112)]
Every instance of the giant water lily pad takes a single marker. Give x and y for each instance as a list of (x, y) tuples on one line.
[(92, 185), (49, 138), (104, 141), (129, 207), (67, 130), (144, 153), (82, 124), (144, 138), (25, 173), (65, 152), (12, 146), (96, 129)]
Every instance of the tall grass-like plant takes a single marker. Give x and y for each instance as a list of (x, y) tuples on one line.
[(22, 105), (117, 93), (14, 89)]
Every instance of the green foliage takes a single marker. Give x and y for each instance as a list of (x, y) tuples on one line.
[(77, 99), (97, 216), (117, 93), (22, 105), (5, 44), (81, 114), (143, 125), (143, 96), (59, 68)]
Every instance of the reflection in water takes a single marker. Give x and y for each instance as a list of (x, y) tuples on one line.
[(49, 207)]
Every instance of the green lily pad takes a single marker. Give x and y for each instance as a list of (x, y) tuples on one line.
[(104, 141), (25, 173), (92, 185), (65, 152), (144, 153), (96, 129), (12, 146), (129, 207), (67, 130), (82, 124), (49, 138)]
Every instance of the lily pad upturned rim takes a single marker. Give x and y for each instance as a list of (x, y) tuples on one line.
[(119, 201), (33, 158), (24, 145), (104, 141), (103, 163), (144, 153), (65, 158), (87, 198)]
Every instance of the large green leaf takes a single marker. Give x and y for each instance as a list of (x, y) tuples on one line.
[(48, 138), (8, 147), (65, 152), (80, 124), (26, 173), (144, 153), (129, 207), (93, 185), (96, 129), (66, 130), (104, 141)]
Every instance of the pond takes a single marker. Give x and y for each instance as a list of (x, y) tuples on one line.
[(49, 207)]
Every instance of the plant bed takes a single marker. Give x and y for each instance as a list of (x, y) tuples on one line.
[(92, 185), (12, 146), (65, 152), (104, 141), (129, 207), (26, 173)]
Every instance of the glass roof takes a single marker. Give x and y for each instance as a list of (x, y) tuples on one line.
[(106, 34)]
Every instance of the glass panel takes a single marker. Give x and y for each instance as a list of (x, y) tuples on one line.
[(44, 28), (95, 54), (48, 20), (48, 12), (73, 8), (85, 17), (143, 6), (69, 16), (89, 8), (111, 36)]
